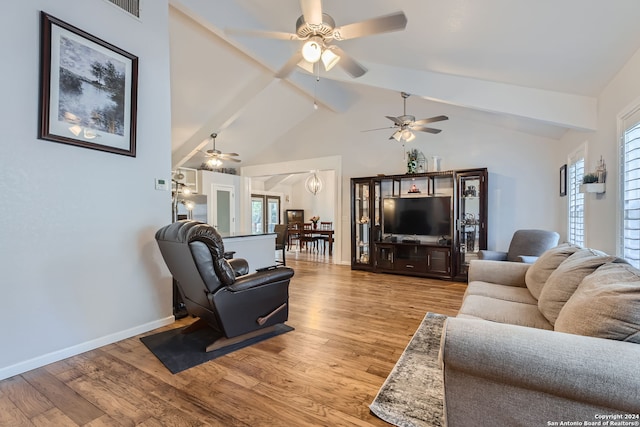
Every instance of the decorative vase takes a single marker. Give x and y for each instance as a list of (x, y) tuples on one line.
[(315, 225)]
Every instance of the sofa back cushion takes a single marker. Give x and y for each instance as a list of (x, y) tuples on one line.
[(540, 270), (605, 305), (563, 282)]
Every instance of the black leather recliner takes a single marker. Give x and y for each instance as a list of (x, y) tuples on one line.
[(221, 292)]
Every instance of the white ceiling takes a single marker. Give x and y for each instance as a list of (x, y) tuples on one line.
[(534, 66)]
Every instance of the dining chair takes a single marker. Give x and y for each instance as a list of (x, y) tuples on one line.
[(293, 234), (307, 238), (281, 241), (325, 225)]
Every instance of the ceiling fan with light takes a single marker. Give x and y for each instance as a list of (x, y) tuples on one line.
[(216, 157), (318, 30), (406, 123)]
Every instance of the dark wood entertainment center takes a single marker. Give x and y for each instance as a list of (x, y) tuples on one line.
[(444, 256)]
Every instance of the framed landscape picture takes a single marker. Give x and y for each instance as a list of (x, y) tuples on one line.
[(88, 90)]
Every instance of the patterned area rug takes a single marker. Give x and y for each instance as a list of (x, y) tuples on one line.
[(412, 394)]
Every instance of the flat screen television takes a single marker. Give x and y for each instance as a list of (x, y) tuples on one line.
[(423, 216)]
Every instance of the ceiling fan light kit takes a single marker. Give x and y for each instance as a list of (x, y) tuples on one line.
[(217, 157), (318, 30), (406, 124)]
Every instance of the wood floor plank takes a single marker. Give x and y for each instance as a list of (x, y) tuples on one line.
[(72, 404), (350, 329)]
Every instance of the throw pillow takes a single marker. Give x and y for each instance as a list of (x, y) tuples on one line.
[(563, 282), (540, 270), (605, 305)]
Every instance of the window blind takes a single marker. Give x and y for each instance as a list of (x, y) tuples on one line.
[(630, 188), (575, 172)]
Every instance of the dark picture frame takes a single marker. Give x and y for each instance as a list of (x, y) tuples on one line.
[(88, 90), (563, 180)]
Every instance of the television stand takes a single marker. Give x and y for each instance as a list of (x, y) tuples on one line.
[(413, 258)]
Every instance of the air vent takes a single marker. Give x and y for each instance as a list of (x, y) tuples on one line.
[(131, 6)]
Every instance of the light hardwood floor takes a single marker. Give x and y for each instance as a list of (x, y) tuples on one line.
[(350, 329)]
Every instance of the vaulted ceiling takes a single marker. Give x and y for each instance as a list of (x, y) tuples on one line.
[(534, 66)]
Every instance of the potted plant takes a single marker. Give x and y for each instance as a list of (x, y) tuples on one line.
[(590, 178), (314, 219)]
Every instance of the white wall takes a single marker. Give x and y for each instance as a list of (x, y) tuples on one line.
[(80, 266), (622, 92)]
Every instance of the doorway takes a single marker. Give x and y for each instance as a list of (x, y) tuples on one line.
[(265, 213)]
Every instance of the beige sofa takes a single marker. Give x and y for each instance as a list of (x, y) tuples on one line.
[(551, 342)]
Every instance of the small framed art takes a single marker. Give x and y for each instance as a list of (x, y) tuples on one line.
[(563, 181)]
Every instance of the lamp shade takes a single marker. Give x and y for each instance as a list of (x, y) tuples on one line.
[(312, 50), (313, 184), (408, 136), (329, 59)]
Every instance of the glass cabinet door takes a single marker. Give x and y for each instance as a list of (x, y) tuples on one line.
[(362, 218), (470, 219)]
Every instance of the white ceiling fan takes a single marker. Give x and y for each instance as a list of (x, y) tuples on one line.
[(216, 157), (318, 30), (406, 123)]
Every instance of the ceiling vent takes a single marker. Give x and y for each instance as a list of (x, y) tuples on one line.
[(131, 6)]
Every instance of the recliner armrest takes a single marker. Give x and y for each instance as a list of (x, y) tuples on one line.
[(240, 266), (492, 255), (261, 278)]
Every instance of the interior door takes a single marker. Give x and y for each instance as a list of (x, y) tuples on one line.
[(223, 208)]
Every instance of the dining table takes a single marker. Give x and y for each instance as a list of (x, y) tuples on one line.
[(321, 233)]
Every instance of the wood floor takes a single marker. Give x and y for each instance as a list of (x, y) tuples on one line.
[(350, 329)]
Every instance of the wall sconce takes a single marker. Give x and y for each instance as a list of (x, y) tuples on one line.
[(313, 184)]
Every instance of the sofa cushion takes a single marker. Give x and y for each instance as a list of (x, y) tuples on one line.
[(502, 311), (504, 292), (540, 271), (605, 305), (563, 282)]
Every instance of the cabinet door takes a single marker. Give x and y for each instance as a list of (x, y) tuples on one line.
[(384, 257), (471, 221), (361, 224), (439, 261)]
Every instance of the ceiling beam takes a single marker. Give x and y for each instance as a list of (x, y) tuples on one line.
[(561, 109)]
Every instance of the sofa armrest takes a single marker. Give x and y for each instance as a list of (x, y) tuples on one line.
[(594, 371), (492, 255), (528, 259), (501, 272)]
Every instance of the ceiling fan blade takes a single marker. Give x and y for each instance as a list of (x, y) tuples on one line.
[(312, 11), (230, 154), (289, 66), (370, 130), (431, 120), (382, 24), (231, 159), (279, 35), (395, 120), (349, 64), (425, 129)]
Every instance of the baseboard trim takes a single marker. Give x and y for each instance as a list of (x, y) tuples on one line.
[(64, 353)]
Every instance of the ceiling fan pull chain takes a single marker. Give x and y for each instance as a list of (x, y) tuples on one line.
[(315, 88)]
